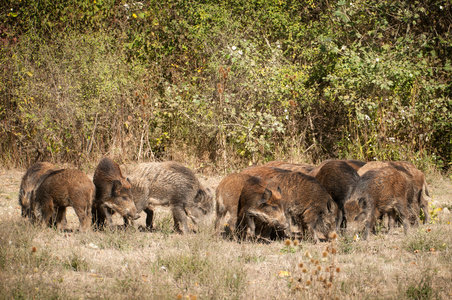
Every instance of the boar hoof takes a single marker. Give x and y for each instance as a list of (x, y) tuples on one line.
[(141, 228)]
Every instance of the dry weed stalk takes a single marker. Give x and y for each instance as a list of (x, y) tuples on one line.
[(316, 277)]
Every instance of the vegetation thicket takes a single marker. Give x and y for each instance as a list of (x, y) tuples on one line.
[(226, 82)]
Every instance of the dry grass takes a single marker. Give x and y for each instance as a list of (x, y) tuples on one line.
[(44, 263)]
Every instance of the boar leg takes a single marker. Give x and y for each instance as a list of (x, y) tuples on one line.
[(232, 222), (391, 221), (84, 217), (61, 222), (314, 235), (424, 206), (340, 219), (414, 211), (405, 221), (250, 227), (47, 210), (242, 226), (369, 225), (219, 220), (180, 219), (107, 215), (149, 217)]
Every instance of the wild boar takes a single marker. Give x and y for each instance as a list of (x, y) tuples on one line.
[(339, 179), (355, 164), (170, 184), (306, 203), (253, 209), (378, 192), (418, 196), (60, 189), (113, 194), (421, 193), (29, 183)]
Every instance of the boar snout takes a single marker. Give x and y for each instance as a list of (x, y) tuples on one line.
[(131, 214)]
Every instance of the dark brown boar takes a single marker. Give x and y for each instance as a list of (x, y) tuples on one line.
[(306, 203), (60, 189), (421, 193), (378, 192), (113, 194), (418, 196), (253, 209), (170, 184), (355, 164), (339, 179), (29, 183)]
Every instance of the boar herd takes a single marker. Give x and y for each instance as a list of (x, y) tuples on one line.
[(270, 201)]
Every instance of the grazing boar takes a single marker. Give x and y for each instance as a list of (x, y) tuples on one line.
[(170, 184), (253, 209), (307, 204), (113, 194), (60, 189), (29, 183), (418, 197), (421, 194), (378, 192), (355, 164), (339, 179)]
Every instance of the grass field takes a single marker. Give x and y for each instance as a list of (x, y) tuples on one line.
[(42, 263)]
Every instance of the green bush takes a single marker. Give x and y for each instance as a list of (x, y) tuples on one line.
[(235, 81)]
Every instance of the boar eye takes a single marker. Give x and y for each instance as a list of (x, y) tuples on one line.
[(124, 198)]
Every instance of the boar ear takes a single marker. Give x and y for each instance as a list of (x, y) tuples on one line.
[(266, 196), (328, 205), (362, 202), (116, 187)]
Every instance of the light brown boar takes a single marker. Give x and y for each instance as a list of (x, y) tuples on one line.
[(60, 189), (113, 194), (253, 209), (378, 192), (29, 183), (170, 184)]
